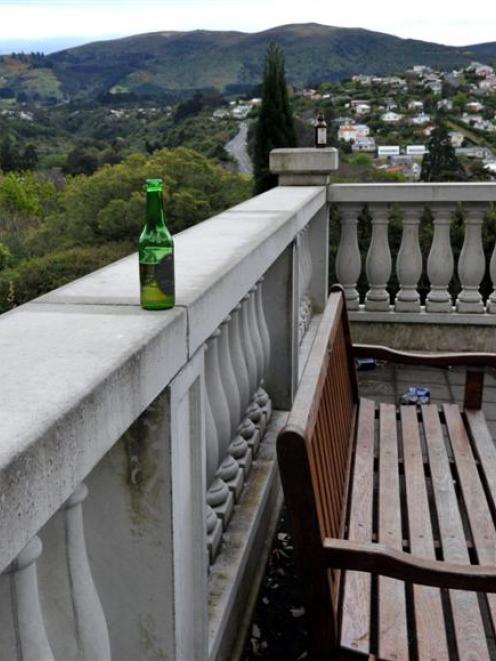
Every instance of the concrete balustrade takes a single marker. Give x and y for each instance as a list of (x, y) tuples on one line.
[(441, 302), (170, 418)]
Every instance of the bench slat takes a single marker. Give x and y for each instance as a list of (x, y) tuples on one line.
[(392, 635), (429, 616), (469, 628), (355, 625), (479, 515)]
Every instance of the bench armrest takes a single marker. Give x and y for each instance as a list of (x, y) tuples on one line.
[(386, 561), (430, 359)]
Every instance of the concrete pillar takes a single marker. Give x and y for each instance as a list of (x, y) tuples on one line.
[(305, 166)]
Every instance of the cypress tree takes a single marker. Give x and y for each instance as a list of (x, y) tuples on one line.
[(441, 163), (274, 127)]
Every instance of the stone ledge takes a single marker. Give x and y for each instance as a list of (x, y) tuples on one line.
[(304, 161), (423, 317)]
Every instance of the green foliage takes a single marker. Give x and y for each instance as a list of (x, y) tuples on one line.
[(39, 275), (5, 256), (274, 127), (441, 163), (49, 236)]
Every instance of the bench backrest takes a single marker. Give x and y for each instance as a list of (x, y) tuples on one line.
[(314, 452)]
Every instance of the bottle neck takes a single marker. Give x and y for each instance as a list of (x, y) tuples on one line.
[(154, 209)]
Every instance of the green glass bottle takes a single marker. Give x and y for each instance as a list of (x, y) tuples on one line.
[(156, 253)]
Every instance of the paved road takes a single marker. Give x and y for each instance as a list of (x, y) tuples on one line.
[(237, 149)]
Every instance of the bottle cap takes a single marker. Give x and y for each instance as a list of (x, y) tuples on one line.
[(154, 185)]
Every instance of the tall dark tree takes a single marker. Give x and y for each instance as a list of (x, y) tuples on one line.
[(441, 163), (8, 154), (274, 127)]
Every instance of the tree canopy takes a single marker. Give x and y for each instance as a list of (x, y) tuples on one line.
[(441, 163)]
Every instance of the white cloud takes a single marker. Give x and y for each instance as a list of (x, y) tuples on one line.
[(421, 20)]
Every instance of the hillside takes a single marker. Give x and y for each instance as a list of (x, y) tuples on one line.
[(157, 63), (487, 51)]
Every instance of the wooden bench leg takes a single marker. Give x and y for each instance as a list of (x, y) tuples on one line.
[(474, 384)]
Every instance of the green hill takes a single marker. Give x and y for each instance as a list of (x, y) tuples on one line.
[(155, 63)]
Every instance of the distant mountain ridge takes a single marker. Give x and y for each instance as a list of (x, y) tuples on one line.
[(161, 62)]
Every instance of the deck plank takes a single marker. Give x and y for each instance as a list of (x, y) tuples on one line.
[(474, 497), (467, 618), (355, 623), (429, 617), (392, 633)]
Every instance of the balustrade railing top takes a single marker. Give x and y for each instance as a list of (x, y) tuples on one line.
[(410, 193)]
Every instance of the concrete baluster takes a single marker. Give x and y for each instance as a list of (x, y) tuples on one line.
[(247, 428), (305, 279), (214, 534), (472, 261), (491, 302), (238, 447), (440, 263), (409, 261), (262, 324), (262, 398), (32, 640), (219, 499), (247, 344), (92, 631), (348, 259), (218, 495), (378, 261), (228, 378), (254, 411)]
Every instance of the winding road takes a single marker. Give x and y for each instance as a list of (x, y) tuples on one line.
[(237, 149)]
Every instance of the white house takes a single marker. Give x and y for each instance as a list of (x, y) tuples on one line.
[(420, 119), (364, 144), (474, 106), (456, 138), (353, 132), (415, 105), (445, 104), (362, 109), (388, 150), (391, 117)]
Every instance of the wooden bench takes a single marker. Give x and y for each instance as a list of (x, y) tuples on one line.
[(401, 498)]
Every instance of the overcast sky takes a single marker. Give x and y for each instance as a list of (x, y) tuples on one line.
[(37, 21)]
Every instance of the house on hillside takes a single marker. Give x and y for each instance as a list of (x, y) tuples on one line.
[(416, 105), (391, 117), (445, 104), (474, 106), (364, 145), (456, 138), (420, 119), (362, 109)]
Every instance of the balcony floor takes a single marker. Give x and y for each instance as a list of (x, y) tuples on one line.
[(278, 629)]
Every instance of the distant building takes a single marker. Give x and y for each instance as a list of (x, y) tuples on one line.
[(416, 151), (456, 138), (391, 117), (364, 145), (362, 109), (420, 119), (445, 104), (353, 132), (388, 150), (415, 105), (474, 106)]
